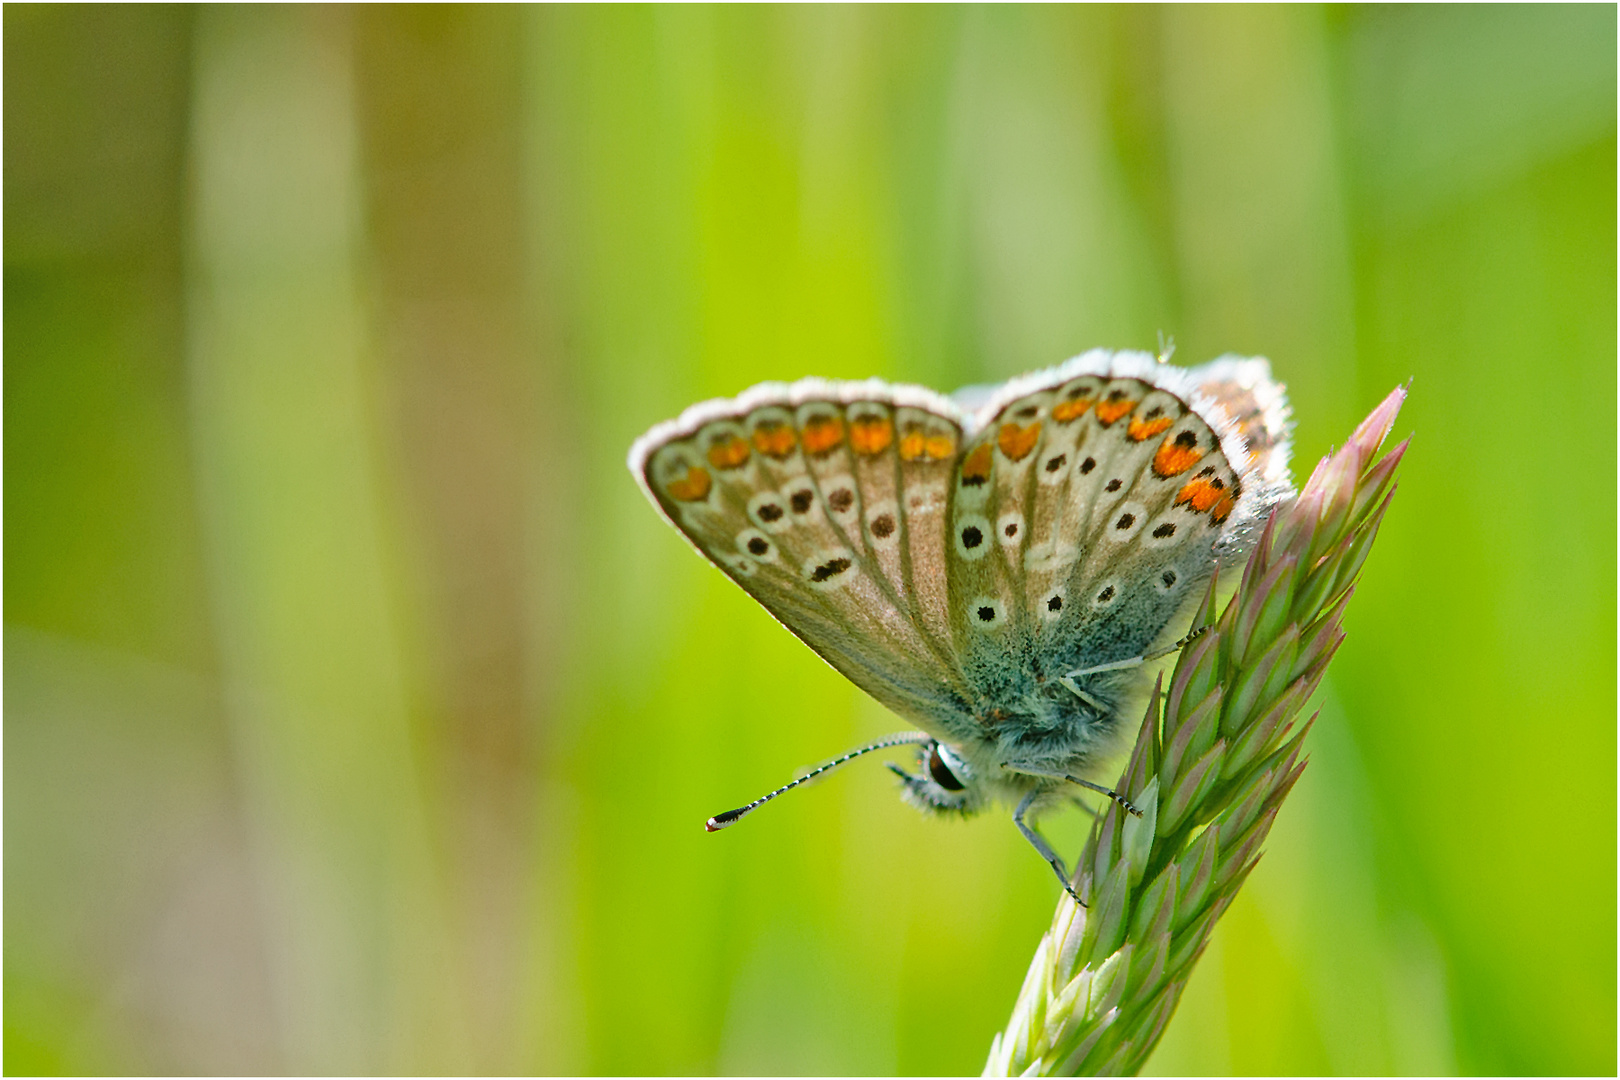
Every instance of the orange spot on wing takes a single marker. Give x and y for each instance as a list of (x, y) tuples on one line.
[(976, 467), (1016, 442), (774, 440), (728, 453), (1064, 411), (823, 433), (693, 486), (1146, 429), (1222, 509), (1201, 493), (1115, 407), (918, 445), (871, 434), (1172, 458)]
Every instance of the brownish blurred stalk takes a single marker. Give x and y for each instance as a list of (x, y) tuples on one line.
[(441, 109)]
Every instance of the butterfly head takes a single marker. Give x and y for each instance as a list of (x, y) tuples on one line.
[(945, 782)]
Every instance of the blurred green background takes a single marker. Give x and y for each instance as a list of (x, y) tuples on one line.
[(360, 715)]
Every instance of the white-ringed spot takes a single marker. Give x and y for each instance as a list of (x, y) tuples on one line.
[(1010, 529), (769, 511), (829, 569), (738, 564), (883, 524), (972, 537), (1051, 605), (756, 545), (986, 612), (801, 499), (1168, 579), (842, 504), (1125, 521), (1167, 530)]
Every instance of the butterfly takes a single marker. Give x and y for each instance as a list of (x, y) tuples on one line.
[(995, 567)]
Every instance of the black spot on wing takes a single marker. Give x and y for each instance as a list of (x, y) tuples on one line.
[(829, 569)]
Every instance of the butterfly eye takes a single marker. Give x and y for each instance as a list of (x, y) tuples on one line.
[(940, 769)]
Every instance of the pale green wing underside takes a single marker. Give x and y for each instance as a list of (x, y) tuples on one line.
[(942, 559)]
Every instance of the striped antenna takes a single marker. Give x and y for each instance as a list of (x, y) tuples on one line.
[(731, 817)]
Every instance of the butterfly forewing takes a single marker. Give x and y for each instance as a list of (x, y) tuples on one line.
[(992, 507), (829, 512), (925, 451)]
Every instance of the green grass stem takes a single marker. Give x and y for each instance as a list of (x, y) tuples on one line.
[(1217, 754)]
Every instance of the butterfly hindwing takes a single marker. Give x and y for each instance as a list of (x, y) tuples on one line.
[(1257, 408), (1144, 552), (1123, 502)]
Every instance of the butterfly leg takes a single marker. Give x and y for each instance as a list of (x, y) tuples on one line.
[(1130, 662), (1110, 792), (1069, 683), (1043, 847), (1117, 665), (1030, 770), (1191, 637)]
